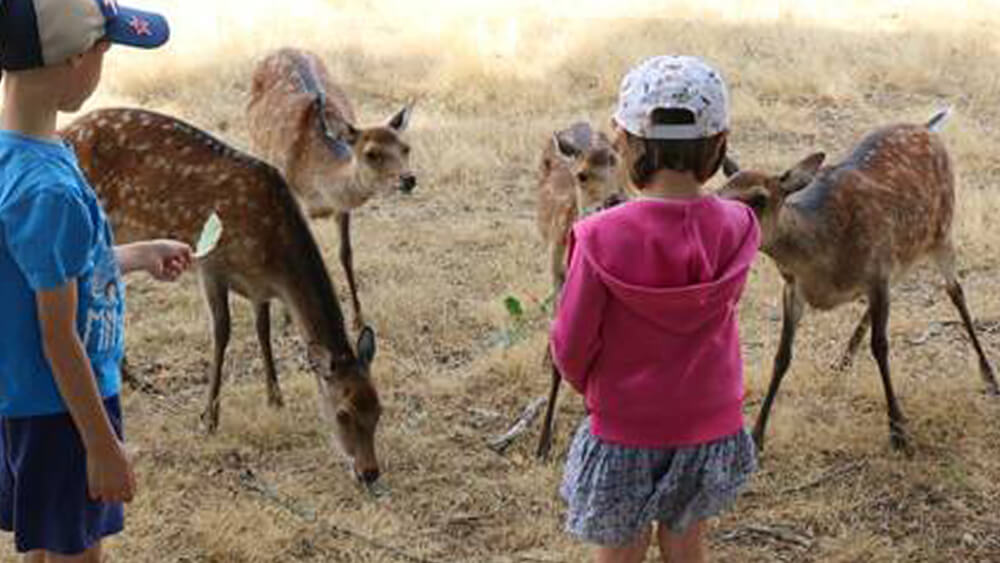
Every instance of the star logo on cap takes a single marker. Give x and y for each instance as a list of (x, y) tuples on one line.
[(140, 26)]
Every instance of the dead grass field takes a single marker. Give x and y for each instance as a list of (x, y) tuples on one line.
[(435, 267)]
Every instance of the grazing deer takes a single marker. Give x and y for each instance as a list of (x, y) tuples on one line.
[(160, 177), (578, 176), (849, 230), (302, 122)]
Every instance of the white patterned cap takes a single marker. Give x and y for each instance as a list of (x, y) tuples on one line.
[(673, 82)]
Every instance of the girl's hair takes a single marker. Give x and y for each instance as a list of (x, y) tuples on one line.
[(644, 157)]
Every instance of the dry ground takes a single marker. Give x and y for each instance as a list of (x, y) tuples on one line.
[(454, 369)]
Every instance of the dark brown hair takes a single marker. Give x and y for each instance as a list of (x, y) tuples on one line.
[(645, 157)]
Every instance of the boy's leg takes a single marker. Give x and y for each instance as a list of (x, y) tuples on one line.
[(634, 552), (37, 556), (687, 547), (92, 555)]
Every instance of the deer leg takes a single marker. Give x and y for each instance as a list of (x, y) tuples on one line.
[(262, 318), (347, 261), (791, 314), (857, 337), (545, 440), (879, 306), (217, 296), (946, 262)]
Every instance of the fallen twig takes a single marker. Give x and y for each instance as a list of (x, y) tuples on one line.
[(250, 481), (780, 534), (828, 475), (528, 415)]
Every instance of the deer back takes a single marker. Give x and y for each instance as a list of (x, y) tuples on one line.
[(889, 203)]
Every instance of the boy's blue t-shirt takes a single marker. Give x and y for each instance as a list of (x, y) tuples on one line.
[(52, 230)]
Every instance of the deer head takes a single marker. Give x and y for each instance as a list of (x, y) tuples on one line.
[(766, 194), (383, 159), (350, 402), (593, 163)]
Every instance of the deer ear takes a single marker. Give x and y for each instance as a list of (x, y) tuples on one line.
[(563, 148), (366, 346), (350, 134), (729, 166), (401, 120), (802, 173)]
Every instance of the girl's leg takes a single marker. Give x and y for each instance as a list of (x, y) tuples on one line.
[(36, 556), (687, 547), (634, 552), (92, 555)]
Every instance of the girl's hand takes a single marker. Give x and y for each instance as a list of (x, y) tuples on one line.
[(166, 260)]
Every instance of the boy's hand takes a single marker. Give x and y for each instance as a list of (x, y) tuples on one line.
[(109, 474), (166, 260)]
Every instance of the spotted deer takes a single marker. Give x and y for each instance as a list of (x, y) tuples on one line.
[(160, 177), (578, 176), (840, 232), (302, 122)]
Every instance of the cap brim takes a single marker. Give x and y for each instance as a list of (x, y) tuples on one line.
[(137, 28)]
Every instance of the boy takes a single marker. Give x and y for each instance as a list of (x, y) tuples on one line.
[(63, 472)]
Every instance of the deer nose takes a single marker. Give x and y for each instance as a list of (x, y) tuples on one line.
[(613, 200), (407, 182)]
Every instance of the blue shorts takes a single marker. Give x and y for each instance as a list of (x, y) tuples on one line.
[(43, 485)]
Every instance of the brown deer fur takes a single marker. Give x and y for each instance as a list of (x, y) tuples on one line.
[(849, 230), (160, 177), (579, 174), (303, 123)]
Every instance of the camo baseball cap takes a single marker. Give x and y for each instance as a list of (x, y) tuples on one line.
[(673, 82), (38, 33)]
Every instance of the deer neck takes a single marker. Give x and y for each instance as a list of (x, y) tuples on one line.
[(306, 286), (792, 238)]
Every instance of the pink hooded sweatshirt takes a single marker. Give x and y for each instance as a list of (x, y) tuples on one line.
[(647, 322)]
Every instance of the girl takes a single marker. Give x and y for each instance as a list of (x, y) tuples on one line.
[(646, 328)]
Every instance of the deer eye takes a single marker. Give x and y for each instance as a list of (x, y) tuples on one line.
[(374, 157), (406, 151)]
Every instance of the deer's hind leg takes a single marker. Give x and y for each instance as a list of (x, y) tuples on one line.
[(945, 259), (216, 291), (262, 320), (857, 337)]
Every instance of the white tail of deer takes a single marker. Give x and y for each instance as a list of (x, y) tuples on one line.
[(160, 177), (849, 230)]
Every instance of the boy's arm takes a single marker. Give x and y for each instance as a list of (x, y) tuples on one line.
[(576, 332), (109, 473), (164, 259)]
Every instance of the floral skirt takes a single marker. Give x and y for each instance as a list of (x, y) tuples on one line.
[(614, 492)]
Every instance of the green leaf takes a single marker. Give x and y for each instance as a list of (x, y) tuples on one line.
[(210, 235), (514, 308)]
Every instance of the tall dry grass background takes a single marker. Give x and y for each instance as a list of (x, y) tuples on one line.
[(491, 81)]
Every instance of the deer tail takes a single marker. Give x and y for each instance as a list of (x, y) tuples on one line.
[(937, 122)]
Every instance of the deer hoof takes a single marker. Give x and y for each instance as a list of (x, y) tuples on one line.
[(275, 400), (899, 440), (210, 420)]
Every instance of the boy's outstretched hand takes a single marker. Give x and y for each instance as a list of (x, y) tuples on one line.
[(167, 259), (164, 259)]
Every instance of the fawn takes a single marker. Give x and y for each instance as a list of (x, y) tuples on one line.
[(578, 175), (302, 123), (160, 177), (849, 230)]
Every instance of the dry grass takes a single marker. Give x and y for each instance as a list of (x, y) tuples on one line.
[(435, 267)]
